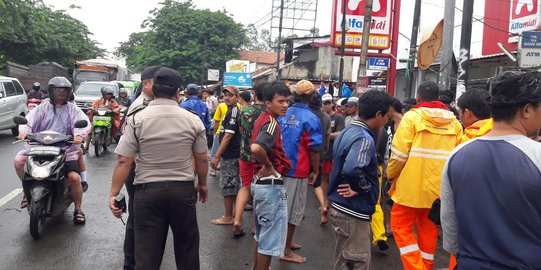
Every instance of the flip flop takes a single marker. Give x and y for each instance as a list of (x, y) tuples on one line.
[(237, 235)]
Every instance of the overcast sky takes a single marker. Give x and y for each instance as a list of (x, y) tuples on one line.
[(112, 21)]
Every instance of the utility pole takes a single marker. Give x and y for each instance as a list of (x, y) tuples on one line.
[(342, 48), (465, 43), (361, 74), (446, 65), (279, 45), (413, 48)]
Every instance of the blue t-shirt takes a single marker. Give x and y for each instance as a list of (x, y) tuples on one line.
[(491, 204)]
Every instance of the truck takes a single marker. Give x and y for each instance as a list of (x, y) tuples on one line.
[(98, 70)]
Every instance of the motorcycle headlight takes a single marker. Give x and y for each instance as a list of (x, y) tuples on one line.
[(40, 173)]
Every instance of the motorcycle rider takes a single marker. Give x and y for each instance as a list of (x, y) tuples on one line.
[(123, 99), (58, 115), (35, 93), (106, 101)]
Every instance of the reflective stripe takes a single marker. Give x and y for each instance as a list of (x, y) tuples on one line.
[(426, 150), (428, 156), (398, 153), (427, 256), (408, 249), (399, 159)]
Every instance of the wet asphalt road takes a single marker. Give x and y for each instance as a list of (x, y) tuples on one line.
[(98, 244)]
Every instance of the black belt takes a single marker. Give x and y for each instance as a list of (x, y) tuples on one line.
[(270, 182), (164, 184)]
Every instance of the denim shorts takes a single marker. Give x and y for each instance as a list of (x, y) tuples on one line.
[(270, 214)]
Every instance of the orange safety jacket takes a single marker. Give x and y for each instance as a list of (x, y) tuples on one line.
[(477, 129)]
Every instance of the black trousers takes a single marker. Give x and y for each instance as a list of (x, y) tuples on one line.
[(129, 242), (158, 208)]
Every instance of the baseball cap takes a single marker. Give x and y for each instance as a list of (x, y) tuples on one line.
[(326, 97), (167, 77), (341, 101), (149, 72), (304, 87), (231, 89), (352, 101)]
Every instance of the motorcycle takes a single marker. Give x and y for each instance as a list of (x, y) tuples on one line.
[(103, 127), (45, 185), (33, 103)]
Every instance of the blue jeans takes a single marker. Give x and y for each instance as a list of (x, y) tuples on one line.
[(270, 214), (215, 145)]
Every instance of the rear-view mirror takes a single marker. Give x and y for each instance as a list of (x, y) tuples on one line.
[(1, 95), (19, 120), (81, 124)]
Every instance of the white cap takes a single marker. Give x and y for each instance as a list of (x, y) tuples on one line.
[(340, 101), (326, 97)]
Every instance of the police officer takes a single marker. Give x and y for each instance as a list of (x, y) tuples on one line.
[(166, 139), (141, 102)]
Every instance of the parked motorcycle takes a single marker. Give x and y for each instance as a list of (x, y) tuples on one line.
[(33, 103), (102, 120), (45, 185)]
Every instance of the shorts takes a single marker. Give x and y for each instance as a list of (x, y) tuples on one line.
[(246, 172), (296, 189), (326, 167), (71, 166), (270, 216), (229, 176)]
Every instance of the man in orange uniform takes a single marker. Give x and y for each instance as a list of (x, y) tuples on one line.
[(424, 139), (474, 113)]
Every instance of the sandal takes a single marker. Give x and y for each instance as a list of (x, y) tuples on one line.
[(24, 203), (79, 217)]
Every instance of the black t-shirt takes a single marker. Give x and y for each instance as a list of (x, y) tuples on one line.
[(337, 124), (231, 124)]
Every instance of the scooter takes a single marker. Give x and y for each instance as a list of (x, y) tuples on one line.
[(33, 103), (45, 185), (102, 121)]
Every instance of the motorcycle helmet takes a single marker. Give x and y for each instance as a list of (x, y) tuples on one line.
[(58, 82), (107, 90), (36, 86)]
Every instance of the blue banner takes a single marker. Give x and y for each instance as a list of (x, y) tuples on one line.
[(531, 39), (238, 79), (378, 63)]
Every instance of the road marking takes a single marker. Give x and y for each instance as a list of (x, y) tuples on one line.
[(10, 196)]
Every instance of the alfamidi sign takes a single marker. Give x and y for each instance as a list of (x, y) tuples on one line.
[(525, 15)]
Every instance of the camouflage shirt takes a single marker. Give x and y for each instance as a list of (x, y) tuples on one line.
[(248, 116)]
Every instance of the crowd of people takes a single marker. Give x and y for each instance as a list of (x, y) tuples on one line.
[(378, 167)]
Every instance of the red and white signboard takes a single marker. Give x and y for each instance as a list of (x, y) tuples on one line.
[(380, 27), (525, 15)]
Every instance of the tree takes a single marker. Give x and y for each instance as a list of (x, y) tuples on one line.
[(258, 41), (184, 38), (31, 32)]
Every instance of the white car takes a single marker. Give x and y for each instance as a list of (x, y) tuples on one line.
[(12, 103)]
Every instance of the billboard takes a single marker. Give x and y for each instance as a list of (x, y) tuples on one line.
[(524, 16), (378, 63), (530, 49), (496, 18), (239, 79), (380, 27)]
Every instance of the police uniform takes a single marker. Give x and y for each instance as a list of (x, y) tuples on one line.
[(137, 105), (164, 138)]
